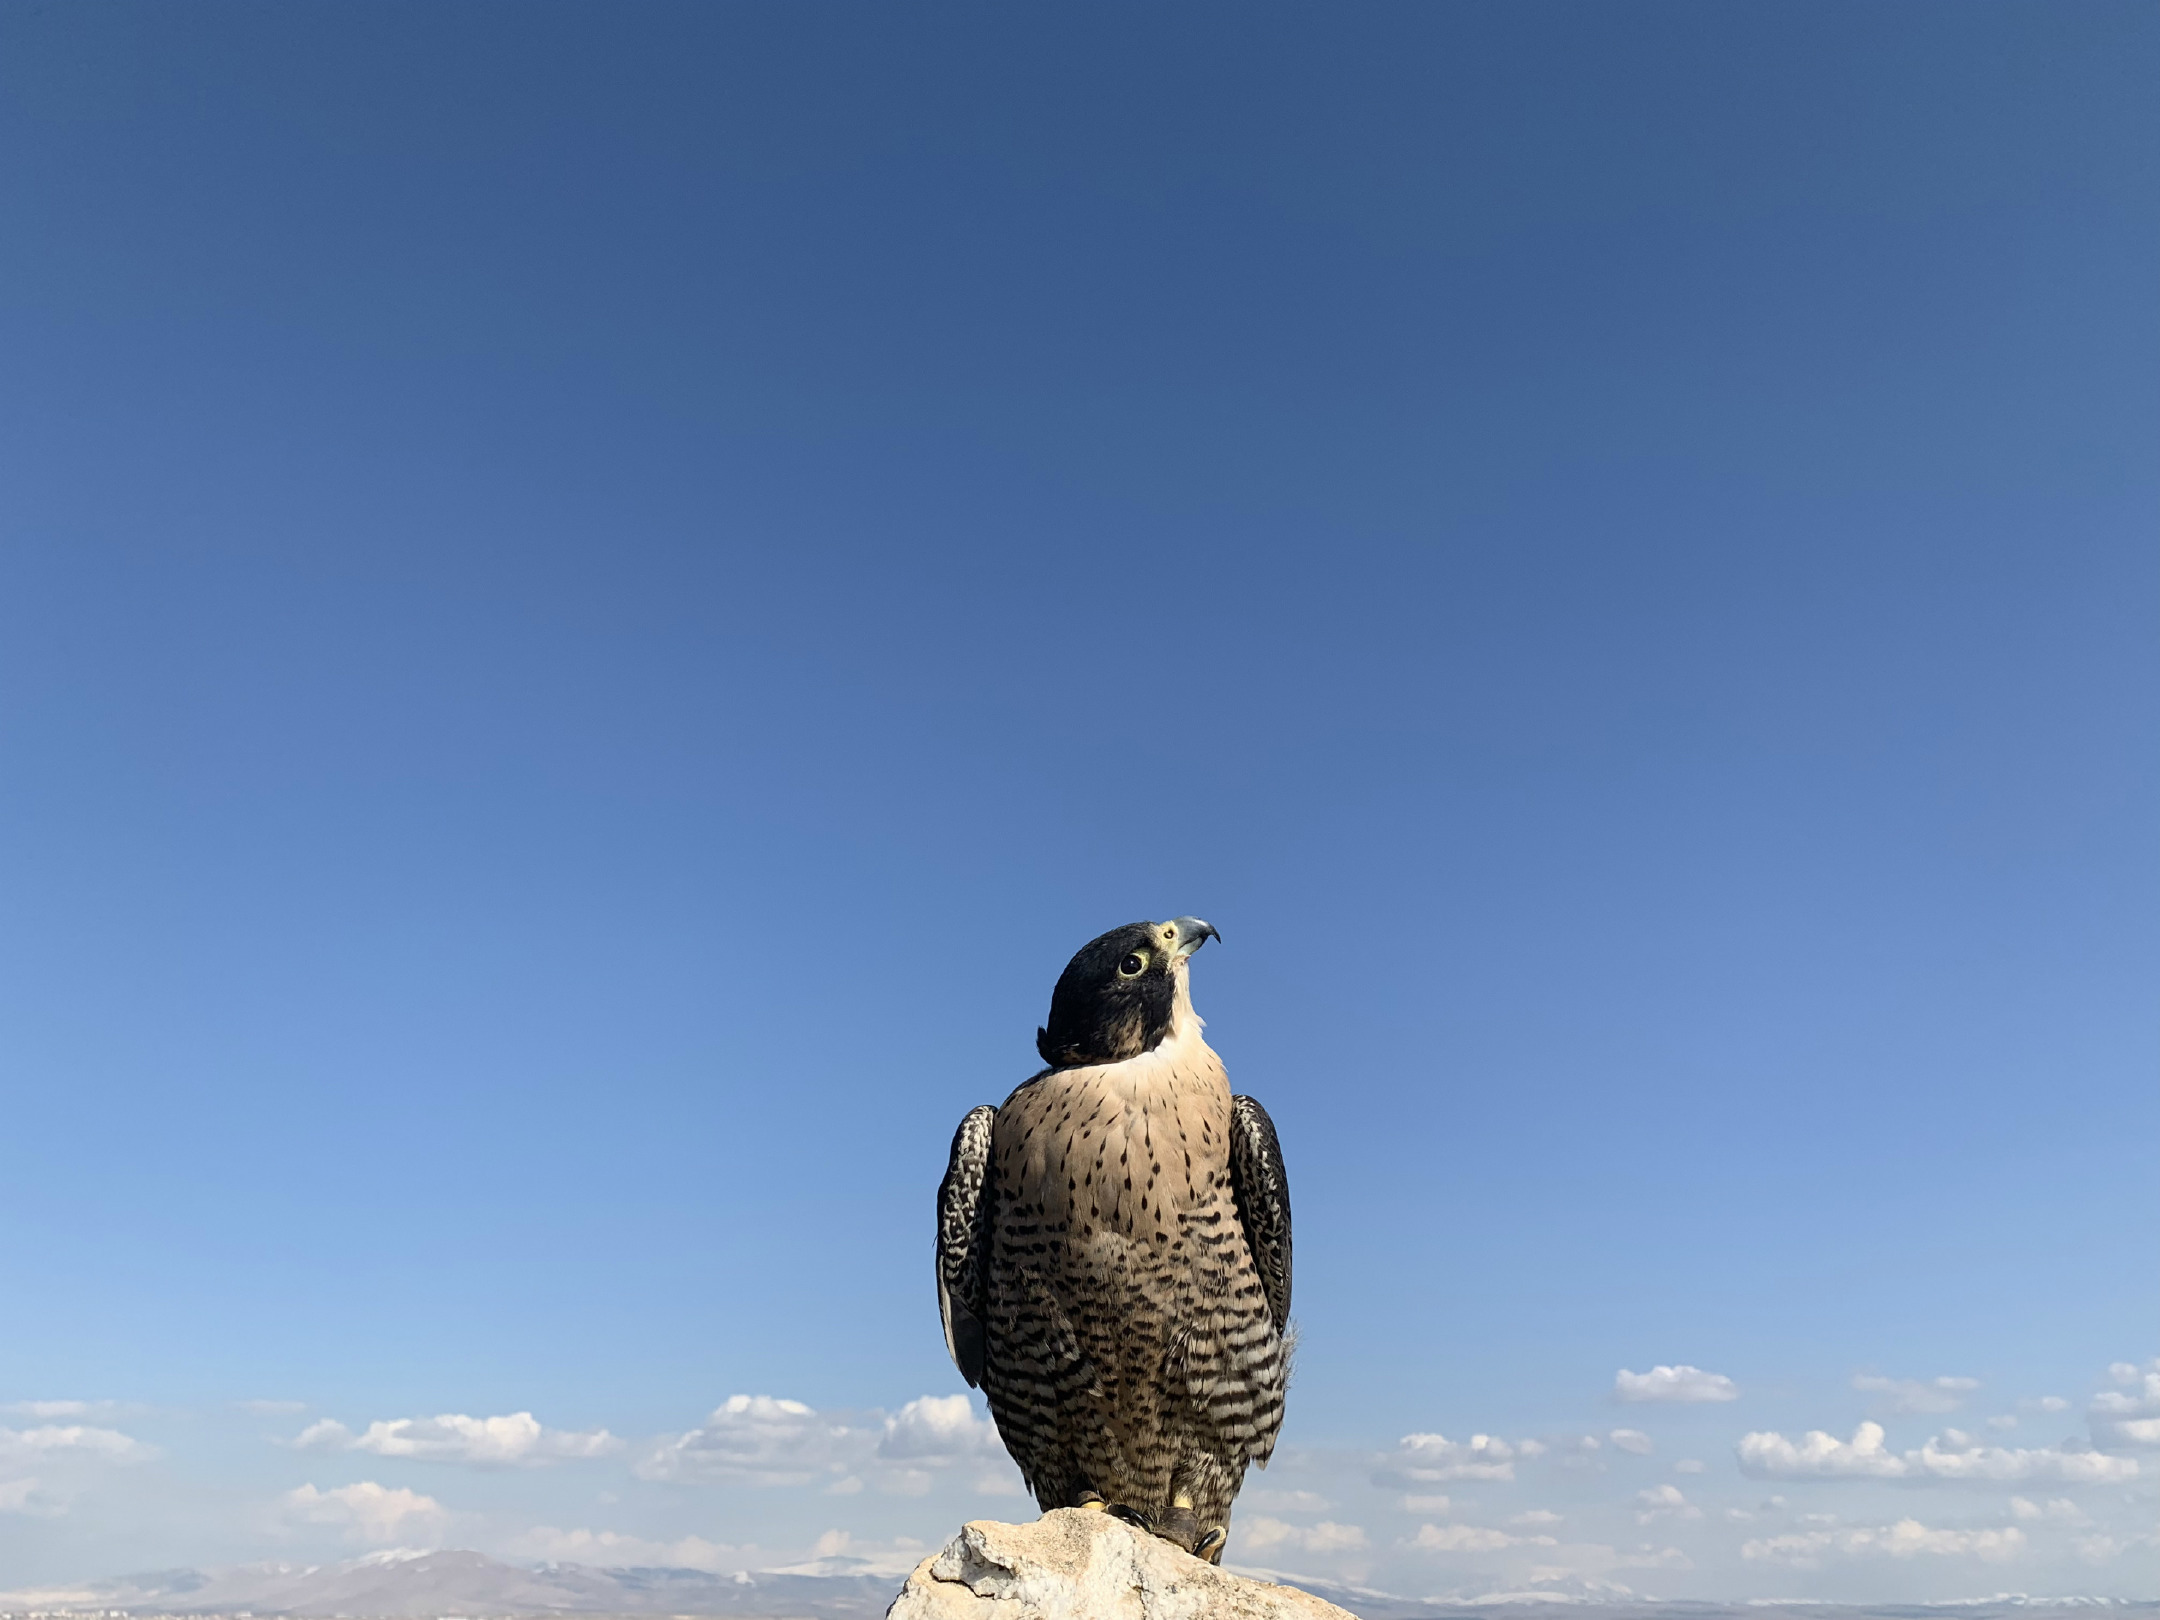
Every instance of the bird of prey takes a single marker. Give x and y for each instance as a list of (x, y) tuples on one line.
[(1113, 1252)]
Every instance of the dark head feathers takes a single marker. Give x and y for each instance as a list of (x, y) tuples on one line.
[(1117, 995)]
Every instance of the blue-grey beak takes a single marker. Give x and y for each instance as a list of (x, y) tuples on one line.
[(1192, 933)]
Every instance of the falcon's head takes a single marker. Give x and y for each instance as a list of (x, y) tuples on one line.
[(1119, 994)]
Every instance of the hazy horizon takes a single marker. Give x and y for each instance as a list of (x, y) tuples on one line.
[(411, 1584)]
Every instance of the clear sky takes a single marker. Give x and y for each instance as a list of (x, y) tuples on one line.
[(593, 600)]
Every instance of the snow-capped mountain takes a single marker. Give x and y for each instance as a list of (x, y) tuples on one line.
[(431, 1585)]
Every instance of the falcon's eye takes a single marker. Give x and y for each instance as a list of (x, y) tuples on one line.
[(1133, 966)]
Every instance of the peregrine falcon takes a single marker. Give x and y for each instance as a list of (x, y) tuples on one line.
[(1113, 1252)]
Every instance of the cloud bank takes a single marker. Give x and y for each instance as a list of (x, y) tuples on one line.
[(1263, 1534), (1681, 1384), (1428, 1459), (1917, 1395), (517, 1440), (1908, 1538), (2127, 1417), (766, 1440), (1952, 1455), (369, 1513), (53, 1441)]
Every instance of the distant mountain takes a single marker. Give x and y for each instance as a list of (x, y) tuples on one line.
[(437, 1585), (1576, 1599), (472, 1586)]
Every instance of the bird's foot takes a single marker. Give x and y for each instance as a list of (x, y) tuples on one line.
[(1092, 1502), (1181, 1527)]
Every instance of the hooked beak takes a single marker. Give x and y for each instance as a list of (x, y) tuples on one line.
[(1192, 934)]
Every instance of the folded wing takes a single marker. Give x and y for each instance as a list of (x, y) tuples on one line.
[(963, 1210), (1262, 1191)]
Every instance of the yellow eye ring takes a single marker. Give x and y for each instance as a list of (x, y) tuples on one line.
[(1133, 966)]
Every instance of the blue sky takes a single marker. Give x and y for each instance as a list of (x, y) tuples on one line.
[(592, 601)]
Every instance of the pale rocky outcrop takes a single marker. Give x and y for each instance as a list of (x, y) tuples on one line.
[(1077, 1565)]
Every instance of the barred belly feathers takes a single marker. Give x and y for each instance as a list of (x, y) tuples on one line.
[(1114, 1253)]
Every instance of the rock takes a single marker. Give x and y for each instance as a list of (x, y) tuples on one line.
[(1077, 1565)]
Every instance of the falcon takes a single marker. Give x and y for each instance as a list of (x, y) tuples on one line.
[(1113, 1252)]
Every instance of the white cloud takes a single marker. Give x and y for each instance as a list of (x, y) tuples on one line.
[(938, 1428), (1689, 1465), (837, 1552), (1646, 1556), (2050, 1403), (1663, 1502), (1429, 1459), (771, 1441), (65, 1449), (1683, 1383), (2059, 1510), (757, 1437), (998, 1479), (1908, 1538), (1632, 1440), (1950, 1456), (46, 1411), (2128, 1416), (607, 1549), (1472, 1538), (72, 1439), (1327, 1537), (28, 1497), (1933, 1395), (2098, 1549), (2143, 1433), (516, 1440), (368, 1512), (1535, 1519), (1259, 1534)]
